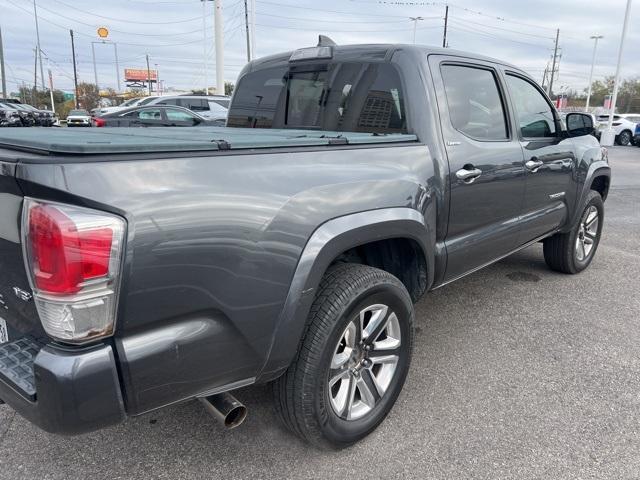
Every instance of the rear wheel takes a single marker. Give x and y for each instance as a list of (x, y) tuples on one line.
[(573, 251), (353, 359)]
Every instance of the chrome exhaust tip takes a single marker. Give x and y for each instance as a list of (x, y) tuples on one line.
[(225, 408)]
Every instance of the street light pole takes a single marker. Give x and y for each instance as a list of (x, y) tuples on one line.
[(415, 25), (115, 51), (204, 46), (593, 62), (219, 39), (95, 69), (608, 136)]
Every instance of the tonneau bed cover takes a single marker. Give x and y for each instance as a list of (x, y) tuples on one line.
[(163, 139)]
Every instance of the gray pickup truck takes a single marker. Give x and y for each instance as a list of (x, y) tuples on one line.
[(144, 267)]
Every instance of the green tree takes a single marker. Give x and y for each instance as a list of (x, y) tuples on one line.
[(228, 88)]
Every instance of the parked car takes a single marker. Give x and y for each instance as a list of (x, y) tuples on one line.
[(153, 116), (141, 268), (132, 102), (624, 126), (27, 118), (9, 117), (211, 107), (44, 118), (636, 135), (79, 118)]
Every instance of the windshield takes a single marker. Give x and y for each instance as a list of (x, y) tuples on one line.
[(78, 112), (131, 101)]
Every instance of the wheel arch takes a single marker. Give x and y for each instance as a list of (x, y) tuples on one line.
[(334, 241)]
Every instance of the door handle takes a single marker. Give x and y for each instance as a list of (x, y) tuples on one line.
[(533, 165), (468, 174)]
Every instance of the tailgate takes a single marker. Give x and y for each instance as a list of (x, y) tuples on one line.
[(18, 315)]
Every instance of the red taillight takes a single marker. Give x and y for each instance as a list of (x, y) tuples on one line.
[(98, 122), (64, 257)]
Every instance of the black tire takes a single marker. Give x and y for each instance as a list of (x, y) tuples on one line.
[(625, 138), (303, 397), (562, 252)]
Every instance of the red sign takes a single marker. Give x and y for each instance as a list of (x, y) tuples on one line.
[(139, 75)]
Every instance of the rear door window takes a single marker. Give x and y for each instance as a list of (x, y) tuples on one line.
[(475, 105)]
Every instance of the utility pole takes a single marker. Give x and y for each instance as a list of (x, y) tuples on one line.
[(75, 70), (415, 25), (53, 105), (544, 75), (204, 46), (35, 13), (35, 71), (246, 26), (446, 21), (553, 64), (608, 135), (4, 78), (219, 39), (593, 62), (148, 75)]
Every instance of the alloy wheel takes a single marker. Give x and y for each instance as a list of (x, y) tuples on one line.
[(364, 362), (587, 233)]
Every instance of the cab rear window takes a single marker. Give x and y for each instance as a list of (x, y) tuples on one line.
[(354, 97)]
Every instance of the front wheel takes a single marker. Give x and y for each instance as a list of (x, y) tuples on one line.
[(353, 359), (624, 138), (573, 251)]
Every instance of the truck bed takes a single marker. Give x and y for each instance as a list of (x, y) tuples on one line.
[(163, 139)]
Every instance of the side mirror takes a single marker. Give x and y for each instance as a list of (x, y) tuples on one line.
[(579, 124)]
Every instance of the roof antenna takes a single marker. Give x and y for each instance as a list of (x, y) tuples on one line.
[(324, 41)]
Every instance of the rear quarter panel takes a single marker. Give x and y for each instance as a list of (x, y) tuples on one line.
[(212, 246)]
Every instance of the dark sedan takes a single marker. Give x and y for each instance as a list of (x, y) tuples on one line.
[(154, 116)]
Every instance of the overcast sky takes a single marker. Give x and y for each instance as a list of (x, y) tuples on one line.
[(171, 32)]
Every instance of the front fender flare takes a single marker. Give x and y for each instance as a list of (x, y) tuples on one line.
[(325, 244), (599, 168)]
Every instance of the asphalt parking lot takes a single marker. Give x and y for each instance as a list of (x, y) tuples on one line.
[(518, 372)]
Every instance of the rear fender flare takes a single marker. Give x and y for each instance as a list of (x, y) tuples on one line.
[(324, 246)]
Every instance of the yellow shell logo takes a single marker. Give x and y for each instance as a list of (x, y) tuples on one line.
[(103, 32)]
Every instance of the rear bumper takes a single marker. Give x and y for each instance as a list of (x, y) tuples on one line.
[(61, 390)]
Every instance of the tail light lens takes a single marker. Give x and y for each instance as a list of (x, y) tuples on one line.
[(98, 122), (73, 258)]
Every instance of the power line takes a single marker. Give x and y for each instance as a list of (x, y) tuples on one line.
[(360, 14), (137, 22), (345, 31), (467, 29), (504, 29)]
